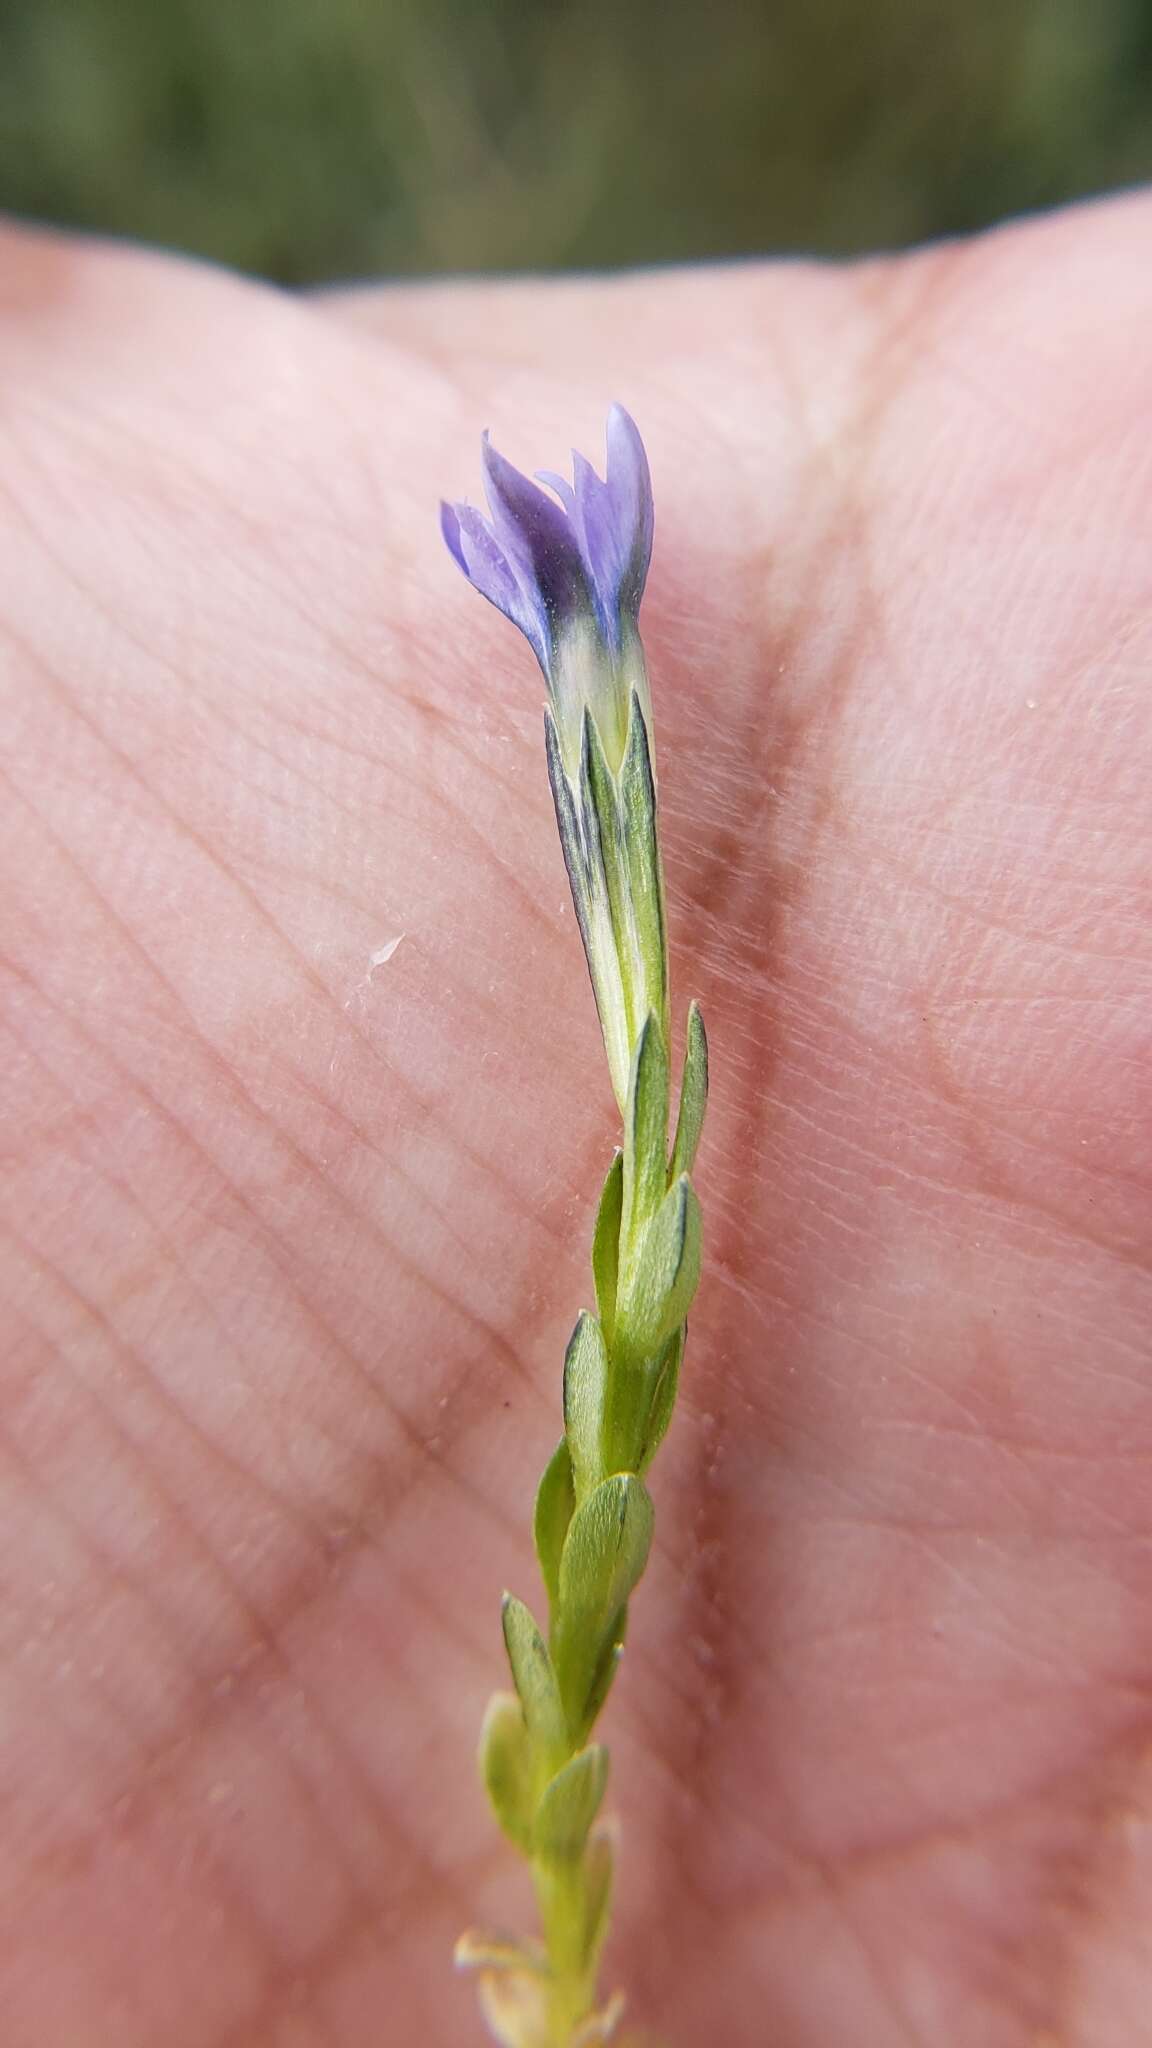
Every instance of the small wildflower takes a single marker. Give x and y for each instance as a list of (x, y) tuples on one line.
[(569, 571)]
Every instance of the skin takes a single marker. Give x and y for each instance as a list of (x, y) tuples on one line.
[(290, 1244)]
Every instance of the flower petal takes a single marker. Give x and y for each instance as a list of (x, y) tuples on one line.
[(471, 541), (605, 548), (536, 535), (630, 492), (560, 485)]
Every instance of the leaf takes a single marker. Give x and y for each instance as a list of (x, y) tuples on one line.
[(569, 1805), (600, 2027), (535, 1679), (642, 846), (599, 1874), (606, 1246), (609, 1665), (515, 2005), (506, 1767), (663, 1397), (477, 1950), (693, 1096), (658, 1296), (604, 1555), (585, 1395), (646, 1142), (555, 1501)]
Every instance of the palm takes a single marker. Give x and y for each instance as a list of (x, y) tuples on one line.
[(291, 1244)]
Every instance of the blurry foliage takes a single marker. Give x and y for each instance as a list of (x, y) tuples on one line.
[(315, 139)]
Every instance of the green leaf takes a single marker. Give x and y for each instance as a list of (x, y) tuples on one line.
[(658, 1295), (663, 1397), (569, 1805), (693, 1096), (478, 1950), (606, 1246), (604, 1555), (646, 1136), (535, 1680), (585, 1394), (599, 1872), (602, 2026), (607, 1668), (506, 1767), (515, 2004), (555, 1502), (645, 881)]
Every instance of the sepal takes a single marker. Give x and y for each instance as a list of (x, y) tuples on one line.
[(645, 880), (583, 858), (604, 828)]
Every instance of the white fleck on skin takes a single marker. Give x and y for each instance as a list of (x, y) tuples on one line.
[(379, 957)]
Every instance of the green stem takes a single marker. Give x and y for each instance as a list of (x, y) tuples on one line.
[(562, 1896)]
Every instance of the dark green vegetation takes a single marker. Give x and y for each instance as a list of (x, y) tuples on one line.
[(324, 138)]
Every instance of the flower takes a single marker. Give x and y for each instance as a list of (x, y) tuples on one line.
[(570, 572)]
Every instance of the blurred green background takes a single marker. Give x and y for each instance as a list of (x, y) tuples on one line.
[(317, 139)]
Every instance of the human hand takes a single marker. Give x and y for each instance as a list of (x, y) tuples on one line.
[(292, 1242)]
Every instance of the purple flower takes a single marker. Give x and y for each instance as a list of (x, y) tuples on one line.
[(569, 571)]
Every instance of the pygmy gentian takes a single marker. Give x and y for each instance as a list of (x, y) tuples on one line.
[(570, 573)]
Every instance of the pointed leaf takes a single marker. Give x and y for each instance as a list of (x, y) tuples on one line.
[(585, 1394), (604, 1555), (645, 878), (606, 1246), (477, 1950), (555, 1502), (646, 1133), (658, 1295), (599, 1872), (535, 1680), (506, 1767), (693, 1096), (600, 2027), (569, 1804), (515, 2005), (605, 1674), (663, 1397)]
